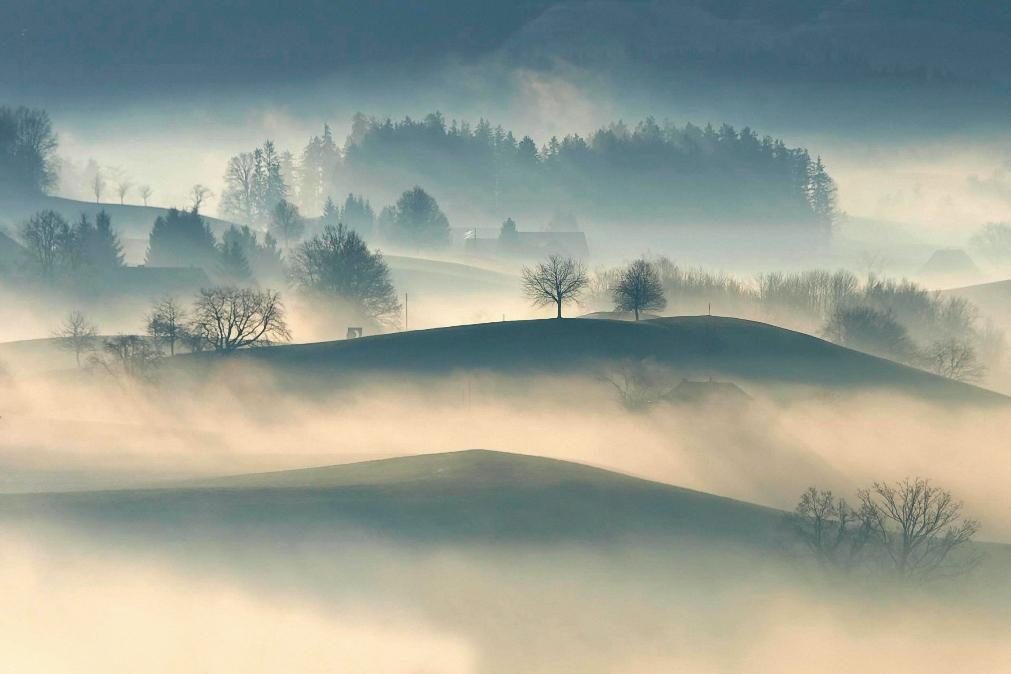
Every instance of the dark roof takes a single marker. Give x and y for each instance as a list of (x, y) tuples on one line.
[(708, 391), (532, 244)]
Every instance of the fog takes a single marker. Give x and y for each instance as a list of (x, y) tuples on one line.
[(853, 145), (69, 432), (381, 608), (937, 191)]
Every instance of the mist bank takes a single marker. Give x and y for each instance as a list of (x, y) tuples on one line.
[(74, 431)]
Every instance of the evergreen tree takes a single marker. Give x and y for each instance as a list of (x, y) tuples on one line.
[(233, 265), (331, 213), (274, 189), (317, 170), (821, 192), (107, 250), (357, 214), (181, 239), (263, 260), (418, 221)]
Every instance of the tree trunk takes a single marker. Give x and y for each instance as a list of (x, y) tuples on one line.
[(559, 309), (637, 314)]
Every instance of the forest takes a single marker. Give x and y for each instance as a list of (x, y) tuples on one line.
[(649, 173)]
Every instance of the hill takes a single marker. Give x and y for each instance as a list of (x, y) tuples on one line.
[(474, 495), (691, 346), (132, 223), (422, 275)]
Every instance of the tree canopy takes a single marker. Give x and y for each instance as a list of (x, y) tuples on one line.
[(648, 172), (181, 239), (27, 151), (337, 263)]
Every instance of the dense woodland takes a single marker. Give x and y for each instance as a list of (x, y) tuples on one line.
[(648, 173)]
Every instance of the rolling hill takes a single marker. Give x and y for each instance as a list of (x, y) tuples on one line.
[(438, 277), (473, 495), (690, 346), (129, 220)]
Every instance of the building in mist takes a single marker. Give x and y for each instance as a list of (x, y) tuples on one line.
[(492, 243)]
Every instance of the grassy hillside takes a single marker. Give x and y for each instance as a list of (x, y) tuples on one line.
[(130, 221), (452, 278), (473, 494), (691, 346)]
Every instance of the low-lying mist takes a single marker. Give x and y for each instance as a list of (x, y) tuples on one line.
[(76, 430), (77, 606)]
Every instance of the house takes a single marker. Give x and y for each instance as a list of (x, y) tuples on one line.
[(528, 245), (708, 393)]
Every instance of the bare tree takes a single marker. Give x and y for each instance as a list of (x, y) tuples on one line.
[(228, 318), (639, 289), (955, 359), (77, 334), (46, 237), (130, 355), (919, 526), (286, 223), (123, 188), (98, 185), (833, 531), (555, 281), (145, 193), (638, 384), (167, 323), (239, 200), (198, 194)]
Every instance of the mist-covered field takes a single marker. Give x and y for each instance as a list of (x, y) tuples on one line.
[(488, 337)]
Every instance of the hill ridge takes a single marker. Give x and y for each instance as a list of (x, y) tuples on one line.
[(738, 349)]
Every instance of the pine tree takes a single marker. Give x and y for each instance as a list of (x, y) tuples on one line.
[(821, 193), (108, 248), (358, 215), (234, 265), (181, 239), (331, 213)]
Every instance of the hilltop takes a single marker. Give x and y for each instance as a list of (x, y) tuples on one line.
[(474, 494), (690, 346)]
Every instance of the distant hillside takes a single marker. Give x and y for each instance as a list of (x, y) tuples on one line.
[(693, 346), (451, 278), (471, 495), (130, 221)]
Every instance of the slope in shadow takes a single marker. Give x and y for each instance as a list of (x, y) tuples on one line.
[(690, 345)]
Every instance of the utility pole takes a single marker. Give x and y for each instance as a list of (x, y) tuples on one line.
[(405, 312)]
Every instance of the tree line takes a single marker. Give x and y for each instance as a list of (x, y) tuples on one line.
[(223, 319), (647, 172), (896, 319), (911, 531)]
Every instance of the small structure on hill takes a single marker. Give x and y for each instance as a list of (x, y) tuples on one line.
[(708, 393), (513, 243), (354, 333), (950, 265)]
